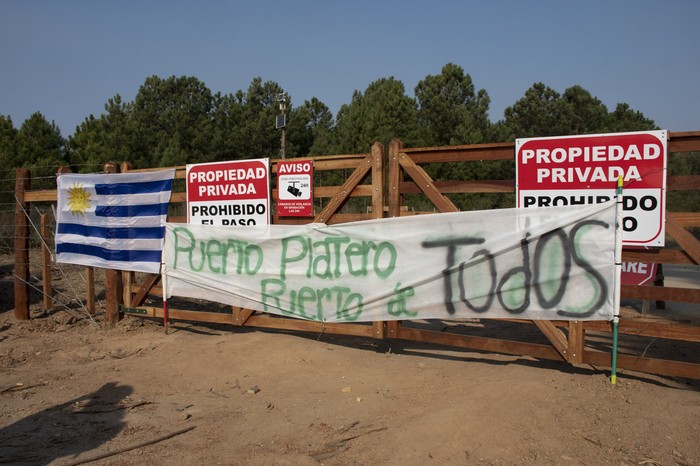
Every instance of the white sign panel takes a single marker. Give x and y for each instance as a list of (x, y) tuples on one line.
[(235, 193)]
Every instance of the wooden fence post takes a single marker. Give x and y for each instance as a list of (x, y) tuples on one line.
[(113, 279), (378, 181), (379, 328), (90, 289), (393, 196), (21, 279), (128, 277), (393, 188)]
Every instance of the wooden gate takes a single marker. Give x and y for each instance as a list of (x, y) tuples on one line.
[(575, 342)]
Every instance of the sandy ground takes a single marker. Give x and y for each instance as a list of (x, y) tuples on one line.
[(73, 388)]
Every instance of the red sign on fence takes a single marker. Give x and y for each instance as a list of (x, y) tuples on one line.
[(573, 170), (295, 188), (229, 193), (638, 273)]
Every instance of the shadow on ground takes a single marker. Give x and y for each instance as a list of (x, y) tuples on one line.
[(66, 430)]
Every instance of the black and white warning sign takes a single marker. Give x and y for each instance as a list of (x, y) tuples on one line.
[(295, 188)]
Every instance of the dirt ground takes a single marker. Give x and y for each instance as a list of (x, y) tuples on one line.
[(74, 389)]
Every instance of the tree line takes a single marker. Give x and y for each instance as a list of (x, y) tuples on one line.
[(178, 120)]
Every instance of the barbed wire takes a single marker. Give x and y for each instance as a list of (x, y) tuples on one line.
[(67, 297), (45, 245), (11, 211), (35, 177), (53, 166), (99, 168)]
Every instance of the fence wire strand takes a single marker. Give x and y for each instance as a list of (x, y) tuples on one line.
[(65, 306), (58, 266)]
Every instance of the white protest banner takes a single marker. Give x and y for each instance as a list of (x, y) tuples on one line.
[(537, 263)]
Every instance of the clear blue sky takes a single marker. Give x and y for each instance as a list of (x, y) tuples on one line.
[(66, 58)]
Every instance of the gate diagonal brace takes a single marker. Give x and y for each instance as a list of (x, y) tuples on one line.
[(425, 183), (555, 336)]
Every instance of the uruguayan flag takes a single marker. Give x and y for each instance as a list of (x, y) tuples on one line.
[(114, 221)]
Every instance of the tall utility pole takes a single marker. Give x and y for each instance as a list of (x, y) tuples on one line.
[(282, 122)]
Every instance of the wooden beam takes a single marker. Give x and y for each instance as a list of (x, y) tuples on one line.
[(343, 193), (649, 365), (661, 293), (379, 328), (128, 282), (241, 315), (334, 220), (144, 289), (279, 323), (113, 295), (472, 152), (683, 182), (90, 289), (471, 186), (683, 237), (393, 328), (687, 219), (178, 197), (648, 328), (493, 345), (285, 323), (425, 183), (113, 278), (555, 336), (688, 141), (43, 195), (337, 162), (677, 142), (195, 316), (657, 256), (576, 341), (377, 180), (394, 180)]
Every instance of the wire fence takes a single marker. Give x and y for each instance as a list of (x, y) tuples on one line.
[(66, 288)]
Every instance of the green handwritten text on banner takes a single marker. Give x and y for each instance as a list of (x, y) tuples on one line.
[(547, 263)]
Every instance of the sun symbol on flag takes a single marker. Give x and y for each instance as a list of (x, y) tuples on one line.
[(78, 199)]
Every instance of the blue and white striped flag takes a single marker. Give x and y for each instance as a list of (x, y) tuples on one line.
[(114, 221)]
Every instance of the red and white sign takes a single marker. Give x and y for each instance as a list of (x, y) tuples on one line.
[(638, 273), (573, 170), (295, 188), (229, 193)]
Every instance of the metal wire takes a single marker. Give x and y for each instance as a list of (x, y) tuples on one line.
[(43, 243)]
